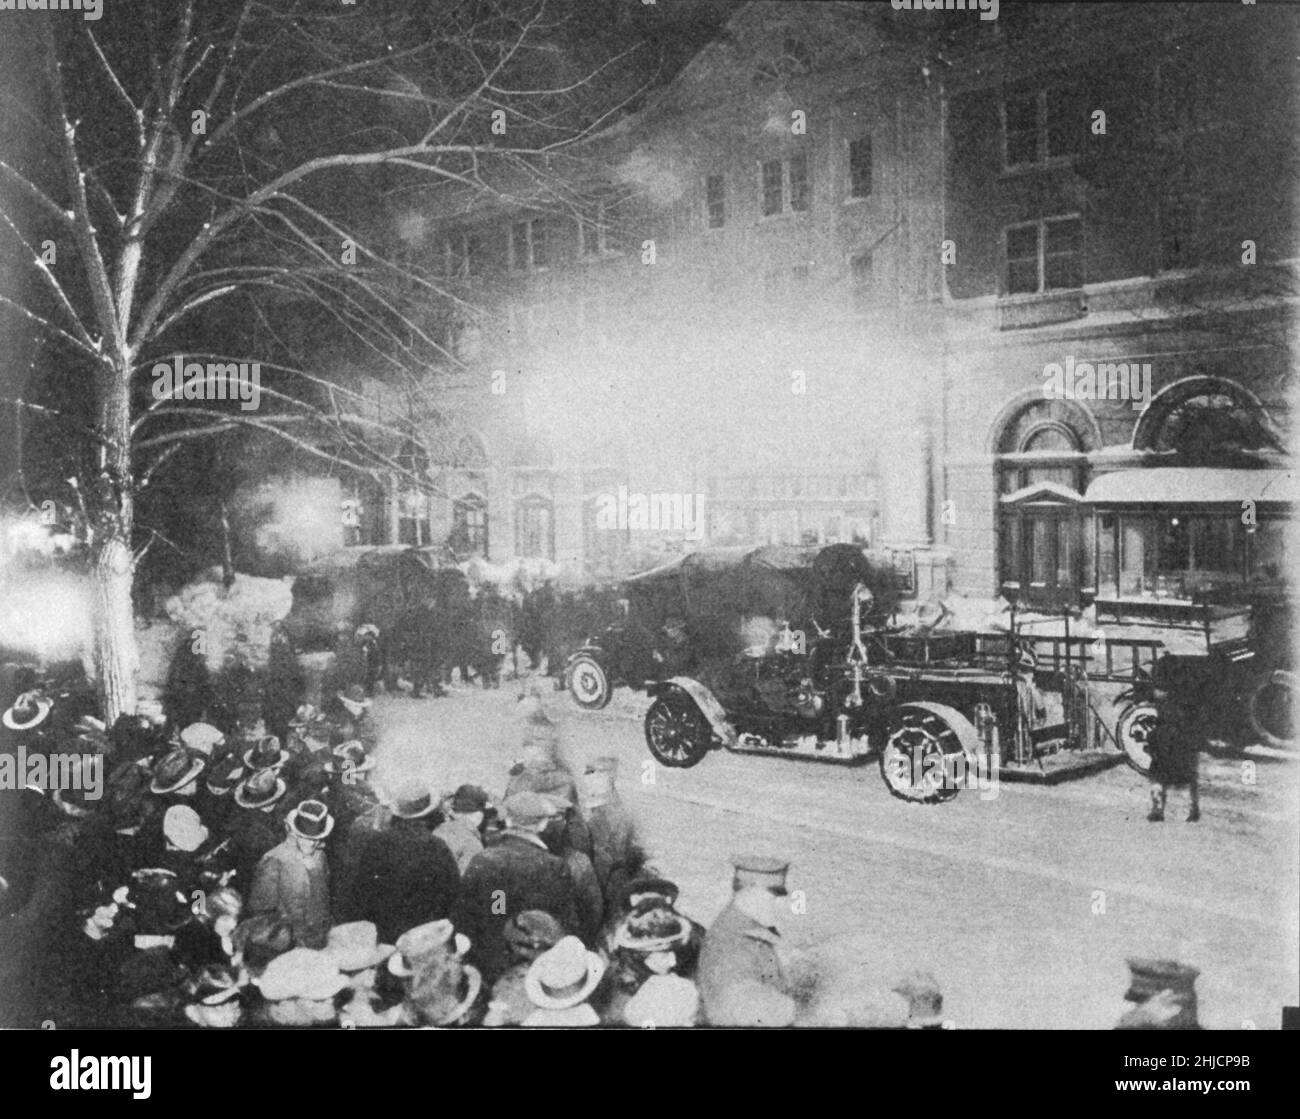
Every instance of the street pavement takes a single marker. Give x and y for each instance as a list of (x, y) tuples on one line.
[(1023, 901)]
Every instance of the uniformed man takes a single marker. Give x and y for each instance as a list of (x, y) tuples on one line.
[(1161, 996), (740, 977)]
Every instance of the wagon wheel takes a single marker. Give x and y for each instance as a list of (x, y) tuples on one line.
[(588, 682), (676, 732), (1270, 710), (1134, 732), (918, 760)]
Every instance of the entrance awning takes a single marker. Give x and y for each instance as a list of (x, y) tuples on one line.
[(1195, 485)]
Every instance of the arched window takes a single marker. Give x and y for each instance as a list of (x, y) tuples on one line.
[(1205, 420), (1041, 460)]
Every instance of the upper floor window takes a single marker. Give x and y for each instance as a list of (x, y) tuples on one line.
[(602, 232), (1044, 255), (715, 201), (463, 255), (860, 170), (784, 185), (1041, 125), (532, 245)]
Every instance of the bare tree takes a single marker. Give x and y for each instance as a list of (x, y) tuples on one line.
[(193, 174)]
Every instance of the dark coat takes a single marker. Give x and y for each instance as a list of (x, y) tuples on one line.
[(1176, 745), (616, 850), (740, 977), (404, 876), (511, 875)]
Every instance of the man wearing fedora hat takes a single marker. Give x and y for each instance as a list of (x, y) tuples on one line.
[(515, 873), (405, 875), (254, 825), (176, 775), (741, 979), (292, 879)]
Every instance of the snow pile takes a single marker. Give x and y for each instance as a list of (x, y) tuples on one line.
[(230, 625)]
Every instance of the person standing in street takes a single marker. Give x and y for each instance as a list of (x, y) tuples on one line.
[(741, 979)]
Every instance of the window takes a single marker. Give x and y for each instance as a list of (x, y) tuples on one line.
[(715, 201), (785, 185), (771, 187), (1044, 256), (1046, 124), (469, 526), (860, 167), (521, 256), (412, 498), (535, 528), (463, 255), (532, 245), (797, 168), (602, 234), (862, 276)]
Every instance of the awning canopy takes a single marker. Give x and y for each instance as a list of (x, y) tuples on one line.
[(1194, 485)]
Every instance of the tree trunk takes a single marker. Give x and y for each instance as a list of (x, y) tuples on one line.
[(115, 653)]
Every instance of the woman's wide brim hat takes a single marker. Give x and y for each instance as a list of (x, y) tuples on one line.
[(430, 1004), (628, 936), (424, 941), (29, 710)]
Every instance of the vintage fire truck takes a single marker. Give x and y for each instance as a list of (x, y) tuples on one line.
[(797, 652)]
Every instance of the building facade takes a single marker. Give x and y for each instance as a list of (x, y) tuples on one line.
[(914, 279)]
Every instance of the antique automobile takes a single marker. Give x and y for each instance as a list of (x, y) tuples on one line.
[(824, 672), (689, 612)]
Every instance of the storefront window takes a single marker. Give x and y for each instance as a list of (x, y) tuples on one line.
[(1172, 555)]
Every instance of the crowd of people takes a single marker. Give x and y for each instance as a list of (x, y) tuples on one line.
[(231, 878)]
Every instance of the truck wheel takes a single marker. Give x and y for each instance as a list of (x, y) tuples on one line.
[(588, 682), (676, 732), (1269, 710), (1134, 731), (926, 752)]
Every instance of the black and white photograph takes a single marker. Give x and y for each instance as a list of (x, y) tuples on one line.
[(649, 514)]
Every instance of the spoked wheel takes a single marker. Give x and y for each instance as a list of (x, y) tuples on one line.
[(1135, 730), (676, 732), (1270, 710), (588, 682), (925, 759)]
